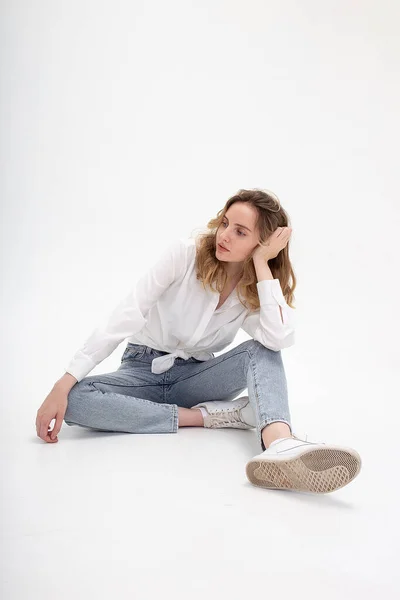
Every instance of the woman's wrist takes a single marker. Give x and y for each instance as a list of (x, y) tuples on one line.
[(65, 383), (262, 270)]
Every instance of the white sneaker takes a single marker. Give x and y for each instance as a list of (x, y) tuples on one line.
[(291, 463), (229, 413)]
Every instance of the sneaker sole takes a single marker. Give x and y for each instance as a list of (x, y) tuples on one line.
[(319, 471)]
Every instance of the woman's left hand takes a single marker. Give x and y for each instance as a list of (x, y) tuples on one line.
[(273, 245)]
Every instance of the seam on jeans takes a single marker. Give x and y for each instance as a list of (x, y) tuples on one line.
[(207, 367), (255, 381), (137, 398), (126, 385), (174, 417), (264, 421)]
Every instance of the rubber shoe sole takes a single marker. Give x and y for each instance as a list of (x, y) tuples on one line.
[(319, 470)]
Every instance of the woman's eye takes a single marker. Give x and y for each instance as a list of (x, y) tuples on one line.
[(241, 232)]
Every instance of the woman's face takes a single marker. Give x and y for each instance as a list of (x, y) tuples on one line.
[(237, 233)]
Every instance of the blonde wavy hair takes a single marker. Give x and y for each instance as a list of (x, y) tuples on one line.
[(212, 272)]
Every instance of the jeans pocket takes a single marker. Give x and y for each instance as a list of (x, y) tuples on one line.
[(133, 351)]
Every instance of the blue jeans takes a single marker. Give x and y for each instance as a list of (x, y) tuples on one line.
[(135, 400)]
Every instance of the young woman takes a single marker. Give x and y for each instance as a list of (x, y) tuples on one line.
[(188, 305)]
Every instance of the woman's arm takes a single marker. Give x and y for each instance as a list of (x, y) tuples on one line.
[(129, 316)]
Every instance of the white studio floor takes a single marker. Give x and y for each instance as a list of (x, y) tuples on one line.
[(104, 515)]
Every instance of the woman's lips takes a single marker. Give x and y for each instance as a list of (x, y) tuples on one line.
[(222, 248)]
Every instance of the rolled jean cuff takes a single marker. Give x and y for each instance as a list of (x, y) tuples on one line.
[(266, 422), (174, 418)]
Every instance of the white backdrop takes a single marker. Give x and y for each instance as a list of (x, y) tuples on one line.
[(124, 125)]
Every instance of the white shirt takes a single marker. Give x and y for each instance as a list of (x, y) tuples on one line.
[(168, 309)]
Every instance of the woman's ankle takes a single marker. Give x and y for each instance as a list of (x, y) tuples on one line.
[(190, 417), (275, 431)]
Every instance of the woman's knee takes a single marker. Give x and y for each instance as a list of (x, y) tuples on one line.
[(79, 388), (76, 402), (258, 351), (254, 346), (76, 398)]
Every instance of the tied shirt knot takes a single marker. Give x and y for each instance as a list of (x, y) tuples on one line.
[(165, 362)]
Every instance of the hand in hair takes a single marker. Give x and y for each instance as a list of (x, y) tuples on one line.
[(273, 245)]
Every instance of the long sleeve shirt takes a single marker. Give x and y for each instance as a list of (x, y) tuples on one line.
[(168, 309)]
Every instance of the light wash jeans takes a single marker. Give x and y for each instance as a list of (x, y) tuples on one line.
[(135, 400)]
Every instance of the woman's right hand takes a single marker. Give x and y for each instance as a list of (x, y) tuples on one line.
[(53, 407)]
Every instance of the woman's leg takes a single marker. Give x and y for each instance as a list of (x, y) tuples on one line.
[(188, 417), (132, 400), (135, 400), (250, 366)]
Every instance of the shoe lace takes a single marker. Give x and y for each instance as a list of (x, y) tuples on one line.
[(227, 418)]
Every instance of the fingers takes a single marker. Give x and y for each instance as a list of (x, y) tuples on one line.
[(43, 429), (56, 428), (52, 437), (49, 437), (283, 231), (282, 236)]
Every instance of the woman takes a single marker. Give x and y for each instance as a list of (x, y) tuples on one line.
[(188, 305)]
